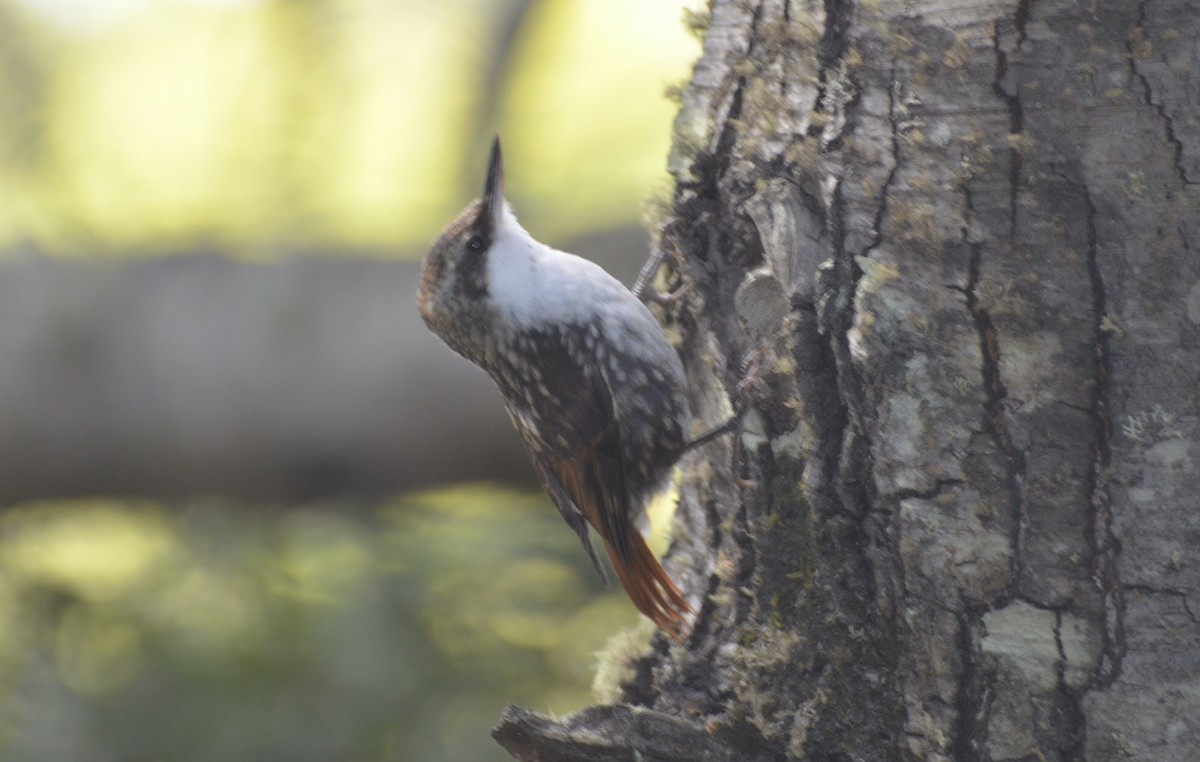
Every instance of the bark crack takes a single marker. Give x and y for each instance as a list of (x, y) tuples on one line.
[(974, 692), (877, 222), (728, 135), (1132, 47), (725, 141), (974, 700), (850, 458), (1154, 590), (1075, 719), (1062, 652), (1021, 18), (994, 410), (835, 39), (1016, 113), (1105, 545)]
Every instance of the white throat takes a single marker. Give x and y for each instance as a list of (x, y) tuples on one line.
[(534, 284)]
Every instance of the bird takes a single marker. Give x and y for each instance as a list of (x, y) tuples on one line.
[(589, 380)]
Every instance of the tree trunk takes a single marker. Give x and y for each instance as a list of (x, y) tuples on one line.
[(959, 235)]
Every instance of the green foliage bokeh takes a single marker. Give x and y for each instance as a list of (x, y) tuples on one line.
[(210, 632)]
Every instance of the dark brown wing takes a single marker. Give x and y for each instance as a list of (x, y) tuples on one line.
[(572, 433), (591, 484), (567, 509), (643, 577)]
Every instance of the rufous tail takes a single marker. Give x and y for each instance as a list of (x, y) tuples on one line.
[(650, 588)]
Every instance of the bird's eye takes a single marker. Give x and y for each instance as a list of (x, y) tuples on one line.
[(475, 243)]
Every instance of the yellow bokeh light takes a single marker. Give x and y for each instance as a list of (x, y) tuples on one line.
[(261, 127), (603, 129), (98, 550)]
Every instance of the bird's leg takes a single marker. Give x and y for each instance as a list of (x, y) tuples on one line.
[(643, 287)]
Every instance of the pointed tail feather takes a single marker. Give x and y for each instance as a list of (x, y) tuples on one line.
[(650, 588)]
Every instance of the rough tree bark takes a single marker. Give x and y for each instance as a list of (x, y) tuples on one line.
[(962, 232)]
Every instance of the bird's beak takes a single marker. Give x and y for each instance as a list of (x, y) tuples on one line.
[(493, 188)]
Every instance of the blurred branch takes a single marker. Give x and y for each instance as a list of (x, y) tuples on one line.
[(195, 374), (619, 733), (497, 68)]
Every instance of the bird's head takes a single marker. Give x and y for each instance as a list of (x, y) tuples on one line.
[(454, 280)]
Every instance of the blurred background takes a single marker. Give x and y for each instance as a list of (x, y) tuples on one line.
[(251, 508)]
